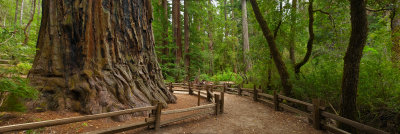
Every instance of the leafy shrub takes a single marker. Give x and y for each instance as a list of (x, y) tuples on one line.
[(23, 68), (18, 89), (227, 76)]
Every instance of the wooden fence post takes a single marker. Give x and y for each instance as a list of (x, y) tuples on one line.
[(190, 88), (224, 87), (157, 116), (316, 114), (255, 93), (259, 87), (222, 102), (217, 105), (276, 101), (209, 95), (240, 90), (198, 98)]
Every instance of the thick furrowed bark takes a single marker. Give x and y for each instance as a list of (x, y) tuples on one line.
[(97, 56)]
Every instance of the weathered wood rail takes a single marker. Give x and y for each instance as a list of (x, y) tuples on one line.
[(152, 121), (314, 111)]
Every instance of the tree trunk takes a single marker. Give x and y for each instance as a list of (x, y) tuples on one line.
[(310, 39), (245, 32), (276, 56), (38, 10), (16, 14), (292, 40), (26, 30), (97, 56), (176, 21), (22, 13), (210, 36), (395, 35), (165, 27), (359, 30), (186, 27), (225, 24)]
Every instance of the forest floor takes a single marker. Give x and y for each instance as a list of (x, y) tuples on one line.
[(241, 115)]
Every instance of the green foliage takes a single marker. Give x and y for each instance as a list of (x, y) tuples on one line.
[(18, 90), (227, 76)]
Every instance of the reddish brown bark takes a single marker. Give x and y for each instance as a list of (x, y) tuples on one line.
[(187, 33), (176, 22), (97, 56)]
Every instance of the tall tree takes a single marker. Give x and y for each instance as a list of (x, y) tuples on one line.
[(187, 32), (292, 40), (16, 14), (22, 13), (395, 33), (165, 23), (276, 56), (352, 58), (97, 57), (26, 30), (210, 36), (310, 39), (176, 22), (245, 31)]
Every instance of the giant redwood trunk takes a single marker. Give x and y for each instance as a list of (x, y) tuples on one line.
[(97, 56), (352, 59)]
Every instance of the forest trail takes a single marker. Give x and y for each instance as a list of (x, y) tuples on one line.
[(243, 115)]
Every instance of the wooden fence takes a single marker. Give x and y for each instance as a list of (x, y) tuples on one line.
[(153, 121), (313, 111)]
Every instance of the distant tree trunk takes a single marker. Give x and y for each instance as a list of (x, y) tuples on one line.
[(359, 30), (176, 21), (292, 39), (165, 28), (26, 30), (210, 36), (186, 27), (245, 32), (310, 39), (235, 66), (225, 24), (38, 11), (22, 13), (98, 57), (16, 14), (395, 34), (276, 56)]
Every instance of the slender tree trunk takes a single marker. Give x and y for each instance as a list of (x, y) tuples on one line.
[(276, 56), (26, 30), (165, 27), (246, 47), (310, 39), (22, 13), (98, 57), (292, 40), (176, 21), (395, 34), (225, 24), (359, 31), (38, 10), (210, 36), (187, 31), (16, 14), (235, 66)]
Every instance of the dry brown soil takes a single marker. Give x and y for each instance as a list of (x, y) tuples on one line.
[(242, 116)]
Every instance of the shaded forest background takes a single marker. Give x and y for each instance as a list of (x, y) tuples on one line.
[(203, 40)]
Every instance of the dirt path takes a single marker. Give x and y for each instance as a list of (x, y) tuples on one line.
[(242, 115)]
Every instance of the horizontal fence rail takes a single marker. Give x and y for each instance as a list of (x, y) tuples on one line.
[(49, 123), (314, 111)]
